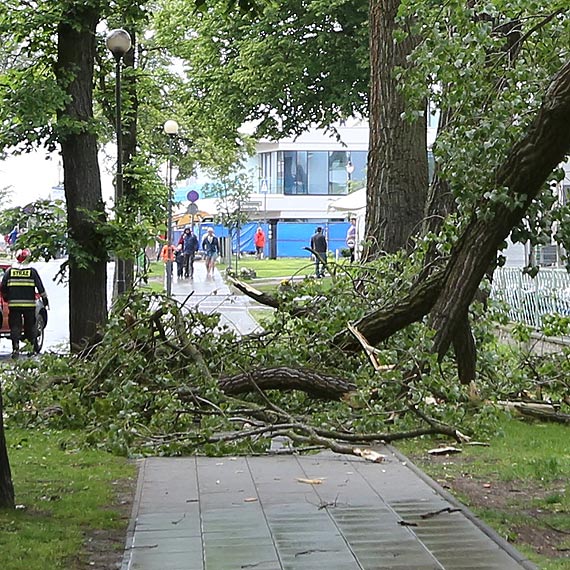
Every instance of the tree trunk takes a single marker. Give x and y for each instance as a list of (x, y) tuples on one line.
[(87, 254), (397, 158), (6, 487)]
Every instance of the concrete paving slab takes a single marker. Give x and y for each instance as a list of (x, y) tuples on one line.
[(261, 516)]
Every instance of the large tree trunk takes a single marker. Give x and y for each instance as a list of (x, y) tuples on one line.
[(397, 159), (87, 255), (6, 487)]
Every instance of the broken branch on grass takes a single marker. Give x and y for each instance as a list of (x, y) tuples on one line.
[(443, 429)]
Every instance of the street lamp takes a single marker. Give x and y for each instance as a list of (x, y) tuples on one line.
[(171, 129), (119, 43), (349, 171)]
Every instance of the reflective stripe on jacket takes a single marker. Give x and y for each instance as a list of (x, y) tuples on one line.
[(19, 286)]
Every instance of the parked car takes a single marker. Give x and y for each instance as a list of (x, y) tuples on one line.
[(41, 314)]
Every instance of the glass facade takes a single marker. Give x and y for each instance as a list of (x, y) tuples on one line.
[(311, 172)]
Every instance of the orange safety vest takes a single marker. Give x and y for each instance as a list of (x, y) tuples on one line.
[(167, 253)]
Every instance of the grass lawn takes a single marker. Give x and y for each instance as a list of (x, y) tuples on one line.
[(519, 485), (283, 267), (74, 505), (155, 276)]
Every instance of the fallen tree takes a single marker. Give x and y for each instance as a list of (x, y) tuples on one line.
[(447, 294)]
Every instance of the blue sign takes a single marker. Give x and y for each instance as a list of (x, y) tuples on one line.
[(192, 195)]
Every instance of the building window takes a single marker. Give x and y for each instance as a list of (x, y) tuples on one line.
[(318, 172), (359, 160), (312, 172), (338, 176)]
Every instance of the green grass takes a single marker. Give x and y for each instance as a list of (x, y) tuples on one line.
[(62, 493), (527, 466), (155, 277), (283, 267)]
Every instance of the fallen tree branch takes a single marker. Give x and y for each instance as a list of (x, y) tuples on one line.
[(444, 429), (264, 298), (545, 412), (316, 384)]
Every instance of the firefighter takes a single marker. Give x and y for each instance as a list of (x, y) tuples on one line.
[(18, 289)]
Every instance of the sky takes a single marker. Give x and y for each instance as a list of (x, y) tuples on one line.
[(32, 176)]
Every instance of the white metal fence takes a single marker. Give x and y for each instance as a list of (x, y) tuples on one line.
[(530, 299)]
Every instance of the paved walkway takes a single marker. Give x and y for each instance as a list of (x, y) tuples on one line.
[(211, 294), (284, 512)]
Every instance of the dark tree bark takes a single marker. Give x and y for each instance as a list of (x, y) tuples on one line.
[(87, 255), (380, 324), (317, 384), (397, 157), (465, 351), (6, 487)]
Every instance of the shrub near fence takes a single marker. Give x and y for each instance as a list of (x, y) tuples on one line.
[(530, 299)]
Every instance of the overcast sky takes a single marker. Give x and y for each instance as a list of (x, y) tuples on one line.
[(32, 176)]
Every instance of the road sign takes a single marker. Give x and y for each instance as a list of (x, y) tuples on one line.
[(192, 195), (193, 208), (263, 186)]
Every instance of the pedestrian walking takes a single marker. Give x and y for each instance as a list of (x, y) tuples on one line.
[(179, 259), (351, 238), (18, 287), (259, 242), (211, 247), (189, 243), (319, 247)]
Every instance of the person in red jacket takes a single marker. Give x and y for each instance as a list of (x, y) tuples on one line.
[(259, 242)]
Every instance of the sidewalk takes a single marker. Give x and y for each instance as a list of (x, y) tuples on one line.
[(211, 294), (288, 512)]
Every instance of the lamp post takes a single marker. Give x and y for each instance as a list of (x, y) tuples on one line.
[(119, 43), (349, 171), (171, 129)]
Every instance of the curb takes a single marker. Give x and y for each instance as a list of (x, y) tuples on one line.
[(130, 535), (492, 534)]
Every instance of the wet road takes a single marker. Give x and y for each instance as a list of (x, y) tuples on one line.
[(57, 329)]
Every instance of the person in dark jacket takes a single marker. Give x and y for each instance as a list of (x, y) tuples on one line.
[(319, 246), (189, 243), (18, 287), (179, 259)]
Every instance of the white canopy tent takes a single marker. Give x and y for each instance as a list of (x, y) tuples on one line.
[(354, 204)]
